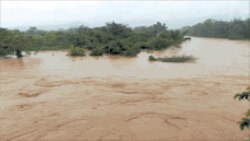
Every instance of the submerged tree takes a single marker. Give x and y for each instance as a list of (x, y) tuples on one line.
[(112, 38), (12, 42)]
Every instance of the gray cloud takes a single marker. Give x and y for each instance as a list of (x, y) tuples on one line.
[(95, 13)]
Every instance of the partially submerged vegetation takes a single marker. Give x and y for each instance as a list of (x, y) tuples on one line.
[(174, 59), (75, 51), (236, 29), (245, 122), (113, 39)]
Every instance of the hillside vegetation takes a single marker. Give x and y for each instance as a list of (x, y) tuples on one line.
[(236, 29)]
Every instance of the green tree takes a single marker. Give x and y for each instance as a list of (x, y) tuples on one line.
[(113, 38), (236, 29)]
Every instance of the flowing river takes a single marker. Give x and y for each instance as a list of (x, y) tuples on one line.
[(52, 96), (214, 56)]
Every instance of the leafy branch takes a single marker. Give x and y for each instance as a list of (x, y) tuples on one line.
[(245, 122)]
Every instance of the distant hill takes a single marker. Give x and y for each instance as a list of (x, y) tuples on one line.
[(131, 23), (51, 27), (235, 29)]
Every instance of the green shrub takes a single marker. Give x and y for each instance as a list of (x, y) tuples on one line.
[(97, 52), (151, 58), (131, 52), (158, 43), (76, 51), (112, 38), (245, 122)]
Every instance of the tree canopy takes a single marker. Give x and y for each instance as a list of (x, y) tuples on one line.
[(113, 38), (236, 29)]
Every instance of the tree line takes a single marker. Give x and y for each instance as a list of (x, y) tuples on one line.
[(112, 38), (235, 29)]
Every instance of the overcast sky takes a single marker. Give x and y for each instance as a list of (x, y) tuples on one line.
[(95, 13)]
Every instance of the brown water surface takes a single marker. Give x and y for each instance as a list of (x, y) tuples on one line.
[(52, 96)]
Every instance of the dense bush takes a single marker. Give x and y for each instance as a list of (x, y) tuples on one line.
[(76, 51), (98, 51), (113, 39), (152, 58), (158, 43)]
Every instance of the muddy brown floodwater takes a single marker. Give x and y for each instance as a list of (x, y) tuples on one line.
[(51, 96)]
